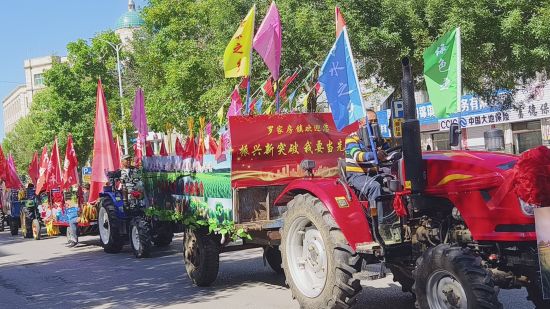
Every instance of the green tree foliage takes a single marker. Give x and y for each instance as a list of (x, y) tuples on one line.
[(67, 105)]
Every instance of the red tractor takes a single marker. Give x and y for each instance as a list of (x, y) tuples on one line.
[(451, 231), (448, 226)]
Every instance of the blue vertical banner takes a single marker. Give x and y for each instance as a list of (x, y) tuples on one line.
[(339, 79), (384, 122)]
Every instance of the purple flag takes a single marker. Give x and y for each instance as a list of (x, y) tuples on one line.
[(208, 129), (139, 118), (236, 104), (267, 41)]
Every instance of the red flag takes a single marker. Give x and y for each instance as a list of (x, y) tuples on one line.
[(3, 165), (70, 165), (104, 151), (179, 148), (138, 150), (163, 151), (190, 147), (340, 22), (53, 174), (268, 87), (220, 156), (12, 179), (212, 145), (33, 168), (244, 82), (288, 80), (149, 149), (252, 105), (42, 171), (317, 87)]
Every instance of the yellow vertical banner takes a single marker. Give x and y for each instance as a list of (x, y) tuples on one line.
[(236, 58)]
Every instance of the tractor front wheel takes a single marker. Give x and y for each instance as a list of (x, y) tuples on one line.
[(453, 277), (109, 225), (201, 253), (140, 237), (318, 262)]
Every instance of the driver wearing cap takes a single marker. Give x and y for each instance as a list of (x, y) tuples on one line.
[(361, 170)]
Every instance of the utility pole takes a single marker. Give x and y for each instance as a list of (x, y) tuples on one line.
[(117, 48)]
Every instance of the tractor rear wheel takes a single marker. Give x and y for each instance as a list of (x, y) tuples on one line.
[(452, 277), (140, 237), (14, 226), (201, 253), (318, 262), (109, 227), (26, 218), (272, 255)]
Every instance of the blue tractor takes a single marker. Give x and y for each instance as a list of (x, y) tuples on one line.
[(122, 216)]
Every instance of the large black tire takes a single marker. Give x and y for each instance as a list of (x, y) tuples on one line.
[(2, 219), (451, 269), (109, 229), (272, 255), (534, 292), (36, 229), (163, 234), (26, 217), (140, 237), (340, 287), (201, 254), (14, 226)]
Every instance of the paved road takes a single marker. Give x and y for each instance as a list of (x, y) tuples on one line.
[(46, 274)]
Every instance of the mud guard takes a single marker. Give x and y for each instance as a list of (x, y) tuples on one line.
[(117, 202), (343, 204)]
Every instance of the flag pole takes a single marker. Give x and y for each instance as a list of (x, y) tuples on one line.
[(250, 67), (459, 82)]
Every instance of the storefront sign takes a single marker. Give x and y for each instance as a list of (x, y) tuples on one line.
[(268, 149), (384, 122)]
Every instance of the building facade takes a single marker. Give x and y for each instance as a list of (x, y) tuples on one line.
[(18, 103), (128, 23)]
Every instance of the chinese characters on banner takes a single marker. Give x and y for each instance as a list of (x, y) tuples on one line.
[(269, 148)]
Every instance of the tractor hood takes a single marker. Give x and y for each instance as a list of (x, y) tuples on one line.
[(466, 170)]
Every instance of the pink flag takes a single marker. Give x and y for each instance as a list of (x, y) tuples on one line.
[(53, 174), (340, 22), (139, 118), (12, 179), (104, 151), (236, 104), (118, 152), (267, 41), (208, 129), (44, 159), (70, 172)]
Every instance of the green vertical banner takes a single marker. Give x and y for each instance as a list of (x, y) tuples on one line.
[(442, 73)]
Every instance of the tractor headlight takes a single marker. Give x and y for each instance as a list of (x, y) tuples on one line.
[(526, 208)]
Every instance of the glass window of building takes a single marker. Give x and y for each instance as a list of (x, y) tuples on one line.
[(38, 79), (441, 141), (527, 135)]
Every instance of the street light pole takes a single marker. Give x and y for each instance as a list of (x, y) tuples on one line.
[(117, 48)]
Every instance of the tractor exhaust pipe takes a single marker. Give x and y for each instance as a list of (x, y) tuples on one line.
[(415, 171)]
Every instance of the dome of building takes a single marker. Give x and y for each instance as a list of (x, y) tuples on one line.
[(130, 19)]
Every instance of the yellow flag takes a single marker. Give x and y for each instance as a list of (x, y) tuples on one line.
[(219, 114), (190, 124), (268, 111), (236, 59)]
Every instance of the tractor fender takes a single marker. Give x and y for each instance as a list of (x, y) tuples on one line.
[(117, 202), (341, 201)]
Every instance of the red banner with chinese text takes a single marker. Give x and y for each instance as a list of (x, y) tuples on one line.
[(268, 149)]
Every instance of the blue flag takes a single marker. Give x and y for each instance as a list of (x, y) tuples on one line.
[(339, 79), (258, 105)]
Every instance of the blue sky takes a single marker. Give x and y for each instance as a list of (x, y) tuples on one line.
[(35, 28)]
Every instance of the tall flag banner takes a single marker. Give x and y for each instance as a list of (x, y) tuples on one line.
[(53, 174), (442, 73), (139, 118), (199, 153), (268, 40), (237, 55), (179, 148), (70, 165), (34, 168), (339, 78), (44, 159), (12, 179), (3, 165), (163, 152), (104, 151), (267, 87), (236, 104), (219, 115), (340, 22)]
